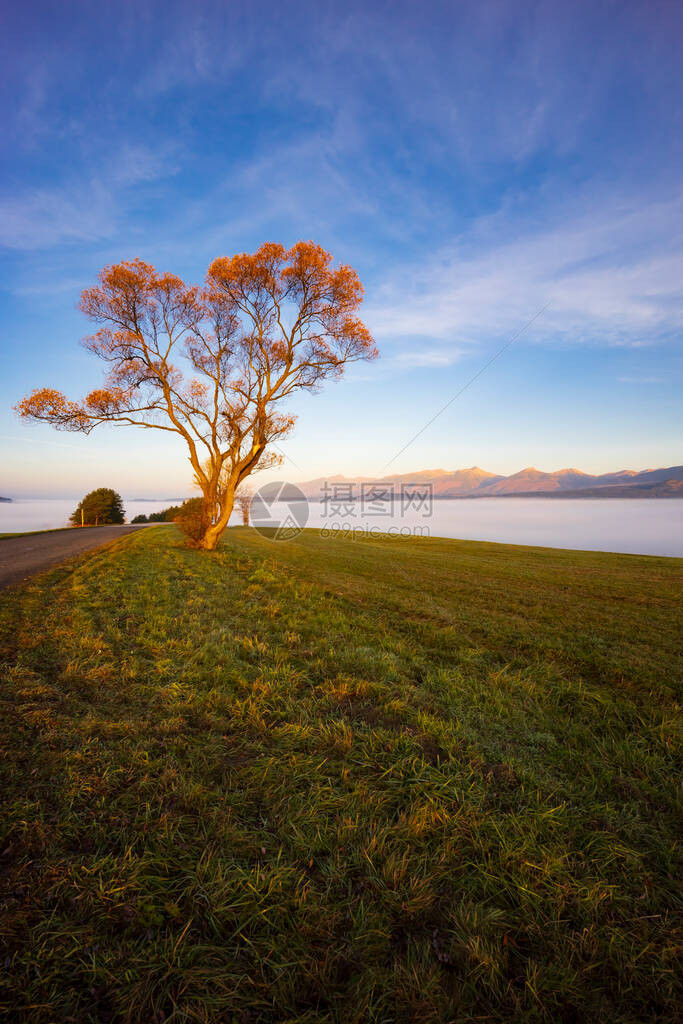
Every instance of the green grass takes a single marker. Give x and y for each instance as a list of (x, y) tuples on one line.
[(381, 780)]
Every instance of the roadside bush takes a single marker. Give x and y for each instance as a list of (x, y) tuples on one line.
[(139, 519), (192, 519)]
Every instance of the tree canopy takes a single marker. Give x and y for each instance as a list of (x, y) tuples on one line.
[(215, 364), (99, 508)]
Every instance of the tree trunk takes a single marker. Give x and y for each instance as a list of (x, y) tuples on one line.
[(215, 531)]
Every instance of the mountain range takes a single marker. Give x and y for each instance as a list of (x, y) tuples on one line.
[(527, 483)]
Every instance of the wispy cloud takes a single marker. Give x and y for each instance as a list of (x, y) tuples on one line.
[(612, 277), (42, 217), (428, 358), (85, 208)]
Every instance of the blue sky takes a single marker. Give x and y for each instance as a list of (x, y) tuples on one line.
[(473, 161)]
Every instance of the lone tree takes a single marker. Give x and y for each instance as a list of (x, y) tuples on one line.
[(265, 325), (244, 505), (99, 508)]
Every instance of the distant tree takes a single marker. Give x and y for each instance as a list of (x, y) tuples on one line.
[(243, 500), (264, 326), (99, 508), (164, 515)]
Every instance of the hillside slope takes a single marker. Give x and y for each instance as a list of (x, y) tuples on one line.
[(529, 482)]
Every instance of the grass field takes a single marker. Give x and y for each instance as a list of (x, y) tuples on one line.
[(381, 780)]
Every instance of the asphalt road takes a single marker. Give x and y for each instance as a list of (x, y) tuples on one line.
[(21, 557)]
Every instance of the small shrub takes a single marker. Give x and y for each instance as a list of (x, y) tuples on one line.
[(193, 520)]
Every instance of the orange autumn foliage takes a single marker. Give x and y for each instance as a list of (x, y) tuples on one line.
[(263, 326)]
